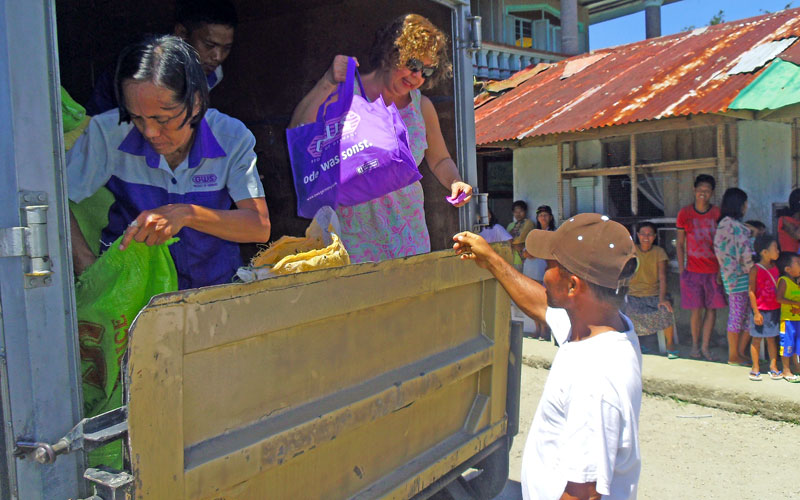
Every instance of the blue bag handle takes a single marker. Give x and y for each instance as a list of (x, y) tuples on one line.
[(344, 93)]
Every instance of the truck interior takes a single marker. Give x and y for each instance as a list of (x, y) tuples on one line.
[(281, 49)]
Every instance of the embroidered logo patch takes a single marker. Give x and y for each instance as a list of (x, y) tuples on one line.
[(204, 180)]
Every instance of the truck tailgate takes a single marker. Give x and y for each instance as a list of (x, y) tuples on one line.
[(366, 381)]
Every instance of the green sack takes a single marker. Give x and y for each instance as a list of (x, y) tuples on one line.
[(92, 216), (72, 113), (109, 295)]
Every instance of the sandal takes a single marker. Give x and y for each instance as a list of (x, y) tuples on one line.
[(755, 376), (695, 354), (673, 355), (775, 375), (793, 378)]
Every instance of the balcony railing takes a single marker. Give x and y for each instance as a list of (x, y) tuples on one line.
[(497, 61)]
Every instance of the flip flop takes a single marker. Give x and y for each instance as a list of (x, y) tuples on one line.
[(775, 375), (695, 355), (673, 355), (793, 378), (755, 376)]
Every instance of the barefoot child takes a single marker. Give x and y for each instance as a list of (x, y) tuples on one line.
[(735, 257), (788, 296), (766, 309)]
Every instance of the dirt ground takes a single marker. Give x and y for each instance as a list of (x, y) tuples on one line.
[(693, 452)]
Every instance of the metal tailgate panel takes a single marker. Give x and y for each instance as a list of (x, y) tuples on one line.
[(365, 381)]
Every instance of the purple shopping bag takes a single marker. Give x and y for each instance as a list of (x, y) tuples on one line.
[(356, 151)]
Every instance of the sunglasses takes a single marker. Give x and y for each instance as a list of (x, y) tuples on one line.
[(415, 65)]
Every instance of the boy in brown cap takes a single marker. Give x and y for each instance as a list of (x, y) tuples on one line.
[(583, 441)]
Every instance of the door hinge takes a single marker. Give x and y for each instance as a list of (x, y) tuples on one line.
[(88, 434), (30, 240)]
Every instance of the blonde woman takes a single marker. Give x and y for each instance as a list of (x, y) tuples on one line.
[(408, 55)]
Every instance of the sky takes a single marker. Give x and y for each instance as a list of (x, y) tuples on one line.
[(676, 16)]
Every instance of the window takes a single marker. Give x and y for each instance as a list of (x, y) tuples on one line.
[(523, 32)]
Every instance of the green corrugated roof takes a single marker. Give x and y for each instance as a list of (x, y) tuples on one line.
[(776, 87)]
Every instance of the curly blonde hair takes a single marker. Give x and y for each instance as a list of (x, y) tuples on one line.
[(412, 36)]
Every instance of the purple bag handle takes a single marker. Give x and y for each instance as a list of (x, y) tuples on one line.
[(344, 93)]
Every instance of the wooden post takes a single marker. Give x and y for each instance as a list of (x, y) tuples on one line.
[(634, 178), (722, 181), (560, 156)]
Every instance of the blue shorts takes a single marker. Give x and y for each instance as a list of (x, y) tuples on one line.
[(790, 338)]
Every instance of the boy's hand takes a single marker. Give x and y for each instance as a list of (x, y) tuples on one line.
[(470, 246)]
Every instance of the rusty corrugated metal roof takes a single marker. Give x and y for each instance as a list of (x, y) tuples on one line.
[(675, 75)]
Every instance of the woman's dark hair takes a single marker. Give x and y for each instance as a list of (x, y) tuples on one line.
[(193, 13), (733, 204), (521, 204), (785, 260), (165, 61), (545, 209), (411, 36), (644, 224), (756, 224), (794, 204), (762, 243), (707, 179), (492, 219)]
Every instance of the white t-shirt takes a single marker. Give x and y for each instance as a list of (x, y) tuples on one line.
[(495, 233), (586, 428)]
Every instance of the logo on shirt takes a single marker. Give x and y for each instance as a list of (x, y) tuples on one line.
[(204, 180)]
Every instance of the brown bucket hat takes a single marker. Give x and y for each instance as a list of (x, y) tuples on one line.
[(591, 246)]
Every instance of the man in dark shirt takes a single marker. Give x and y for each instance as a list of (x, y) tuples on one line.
[(207, 25)]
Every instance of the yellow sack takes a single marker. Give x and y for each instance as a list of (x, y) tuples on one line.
[(319, 249), (300, 256)]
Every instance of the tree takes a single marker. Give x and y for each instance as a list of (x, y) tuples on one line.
[(717, 18), (787, 6)]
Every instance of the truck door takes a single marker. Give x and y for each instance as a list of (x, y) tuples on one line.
[(40, 396)]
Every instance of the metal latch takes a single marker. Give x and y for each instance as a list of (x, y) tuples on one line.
[(30, 240), (88, 434)]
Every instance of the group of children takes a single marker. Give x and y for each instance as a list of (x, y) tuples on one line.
[(761, 278), (775, 300)]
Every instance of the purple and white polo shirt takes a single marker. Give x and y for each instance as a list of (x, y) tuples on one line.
[(219, 170)]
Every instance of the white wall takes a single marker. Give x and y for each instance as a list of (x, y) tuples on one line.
[(536, 177), (765, 166)]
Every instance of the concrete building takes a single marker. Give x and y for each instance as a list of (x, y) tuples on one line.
[(518, 33)]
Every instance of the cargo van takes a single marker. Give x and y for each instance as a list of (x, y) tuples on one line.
[(377, 380)]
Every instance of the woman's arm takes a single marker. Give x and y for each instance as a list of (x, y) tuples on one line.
[(439, 160), (306, 110), (249, 222), (82, 255), (745, 249), (680, 248)]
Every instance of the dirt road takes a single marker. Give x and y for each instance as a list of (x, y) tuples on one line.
[(693, 452)]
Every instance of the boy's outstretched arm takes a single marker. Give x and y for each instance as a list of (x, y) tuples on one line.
[(529, 295)]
